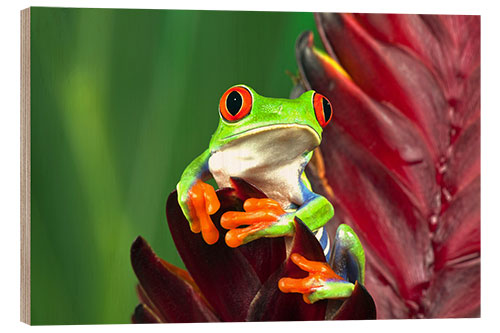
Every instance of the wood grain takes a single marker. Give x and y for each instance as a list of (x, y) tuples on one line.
[(25, 168)]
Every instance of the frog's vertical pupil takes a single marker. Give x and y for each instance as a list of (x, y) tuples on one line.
[(234, 102), (327, 109)]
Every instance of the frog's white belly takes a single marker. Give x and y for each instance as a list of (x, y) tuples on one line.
[(272, 161)]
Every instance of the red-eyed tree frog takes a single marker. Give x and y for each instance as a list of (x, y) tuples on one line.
[(268, 143)]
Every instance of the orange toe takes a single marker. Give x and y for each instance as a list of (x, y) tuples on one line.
[(319, 273), (236, 237), (231, 220), (259, 214), (267, 204), (318, 268), (203, 203)]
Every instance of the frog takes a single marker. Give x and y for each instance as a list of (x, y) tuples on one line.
[(268, 143)]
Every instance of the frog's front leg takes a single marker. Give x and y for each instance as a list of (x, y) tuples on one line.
[(266, 218), (198, 199)]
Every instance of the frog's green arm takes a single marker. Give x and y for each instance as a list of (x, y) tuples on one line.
[(196, 170), (315, 211)]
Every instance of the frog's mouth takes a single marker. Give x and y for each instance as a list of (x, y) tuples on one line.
[(288, 139), (272, 128)]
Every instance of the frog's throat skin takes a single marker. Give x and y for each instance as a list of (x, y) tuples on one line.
[(269, 148)]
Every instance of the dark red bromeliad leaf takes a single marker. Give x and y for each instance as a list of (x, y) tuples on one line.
[(271, 304), (165, 295), (232, 284), (359, 306), (402, 156), (228, 278), (264, 255), (225, 277)]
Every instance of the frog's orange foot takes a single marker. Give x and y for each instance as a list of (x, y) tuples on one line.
[(202, 203), (319, 274), (259, 216)]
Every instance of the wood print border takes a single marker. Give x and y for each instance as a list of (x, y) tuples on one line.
[(25, 167)]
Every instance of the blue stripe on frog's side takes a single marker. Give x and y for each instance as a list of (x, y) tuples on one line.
[(324, 240)]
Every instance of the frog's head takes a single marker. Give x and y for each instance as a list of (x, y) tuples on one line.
[(245, 114)]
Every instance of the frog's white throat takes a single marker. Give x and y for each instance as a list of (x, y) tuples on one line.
[(271, 158)]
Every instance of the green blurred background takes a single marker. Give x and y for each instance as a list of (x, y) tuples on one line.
[(122, 101)]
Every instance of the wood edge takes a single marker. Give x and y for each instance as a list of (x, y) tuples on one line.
[(25, 166)]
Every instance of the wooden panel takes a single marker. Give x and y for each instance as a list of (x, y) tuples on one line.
[(25, 168)]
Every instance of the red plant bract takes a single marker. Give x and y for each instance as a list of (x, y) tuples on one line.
[(232, 284), (402, 155)]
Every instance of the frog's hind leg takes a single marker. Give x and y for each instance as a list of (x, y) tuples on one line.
[(330, 282), (321, 283)]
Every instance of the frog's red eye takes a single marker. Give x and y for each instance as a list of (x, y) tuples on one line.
[(323, 109), (235, 104)]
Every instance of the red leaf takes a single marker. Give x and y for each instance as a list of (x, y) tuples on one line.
[(381, 131), (410, 33), (359, 306), (176, 300), (265, 255), (224, 275), (403, 153), (388, 73), (144, 315), (456, 291), (145, 300), (270, 304)]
